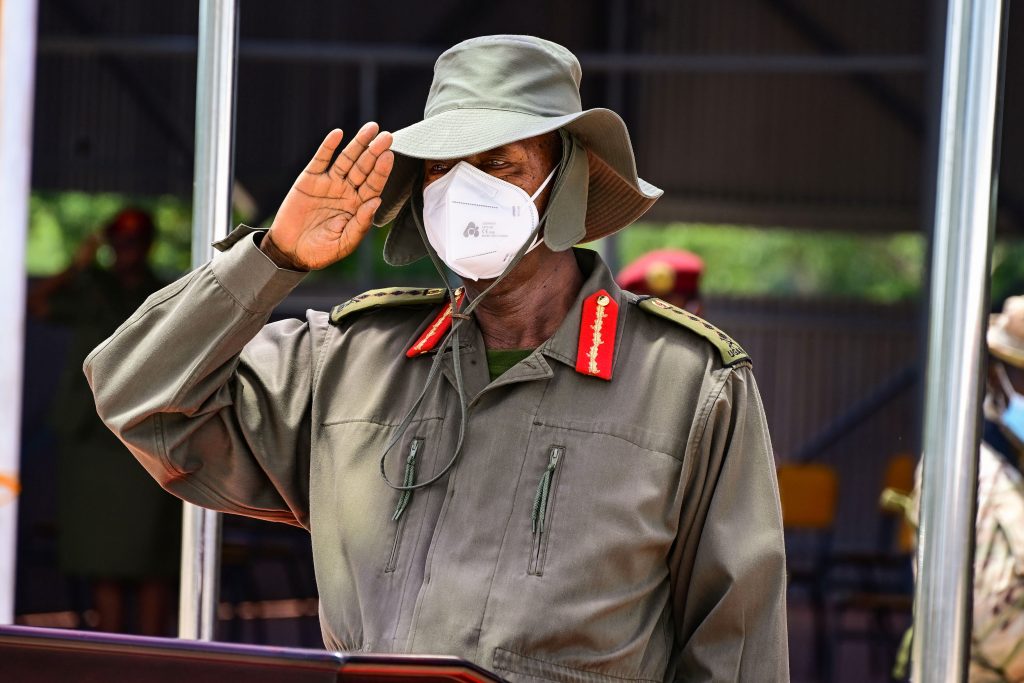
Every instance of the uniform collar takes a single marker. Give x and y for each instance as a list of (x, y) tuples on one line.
[(586, 340), (574, 339)]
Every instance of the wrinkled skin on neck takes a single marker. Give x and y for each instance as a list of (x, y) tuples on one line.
[(530, 303)]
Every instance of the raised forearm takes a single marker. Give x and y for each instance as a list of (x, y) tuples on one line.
[(163, 382)]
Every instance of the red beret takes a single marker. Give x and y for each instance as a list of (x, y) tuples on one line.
[(663, 271)]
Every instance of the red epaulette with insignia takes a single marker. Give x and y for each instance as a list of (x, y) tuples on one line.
[(436, 329), (597, 335)]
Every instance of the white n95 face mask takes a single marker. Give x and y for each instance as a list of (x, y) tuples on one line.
[(477, 223)]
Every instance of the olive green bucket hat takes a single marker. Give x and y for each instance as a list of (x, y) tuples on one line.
[(493, 90)]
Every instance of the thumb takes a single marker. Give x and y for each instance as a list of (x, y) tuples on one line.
[(362, 221)]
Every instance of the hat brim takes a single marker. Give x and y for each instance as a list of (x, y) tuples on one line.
[(616, 196), (1001, 344)]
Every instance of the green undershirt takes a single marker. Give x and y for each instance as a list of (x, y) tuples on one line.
[(500, 360)]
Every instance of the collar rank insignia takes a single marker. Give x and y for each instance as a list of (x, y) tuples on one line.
[(597, 335), (437, 329)]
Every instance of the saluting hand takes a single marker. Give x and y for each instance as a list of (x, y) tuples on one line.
[(330, 207)]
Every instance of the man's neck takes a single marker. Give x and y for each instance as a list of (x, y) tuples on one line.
[(530, 304)]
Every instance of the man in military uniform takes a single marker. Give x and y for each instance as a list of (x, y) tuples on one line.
[(539, 472), (113, 521)]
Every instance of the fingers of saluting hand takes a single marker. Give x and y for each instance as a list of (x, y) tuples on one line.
[(374, 183), (355, 147), (367, 161), (322, 159), (363, 219)]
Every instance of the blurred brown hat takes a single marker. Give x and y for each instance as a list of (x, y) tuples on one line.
[(1006, 332)]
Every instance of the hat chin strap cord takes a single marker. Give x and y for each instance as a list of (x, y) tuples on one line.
[(450, 340)]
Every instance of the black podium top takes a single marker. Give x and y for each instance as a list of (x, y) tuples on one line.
[(37, 655)]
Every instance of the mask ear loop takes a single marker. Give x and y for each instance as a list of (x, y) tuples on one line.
[(540, 189), (450, 340)]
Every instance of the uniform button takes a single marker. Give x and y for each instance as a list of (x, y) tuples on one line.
[(603, 300)]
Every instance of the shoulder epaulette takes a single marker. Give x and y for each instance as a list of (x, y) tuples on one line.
[(389, 296), (731, 352)]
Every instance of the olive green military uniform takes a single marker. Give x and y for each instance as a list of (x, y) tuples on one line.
[(658, 554)]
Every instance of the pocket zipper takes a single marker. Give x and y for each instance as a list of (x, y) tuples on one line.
[(403, 502), (541, 505)]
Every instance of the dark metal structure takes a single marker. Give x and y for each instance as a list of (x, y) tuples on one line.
[(764, 112)]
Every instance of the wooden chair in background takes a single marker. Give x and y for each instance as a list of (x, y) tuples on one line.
[(878, 586), (809, 494)]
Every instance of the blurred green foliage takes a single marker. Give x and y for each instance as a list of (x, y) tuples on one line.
[(744, 261), (1007, 271), (59, 221), (739, 261)]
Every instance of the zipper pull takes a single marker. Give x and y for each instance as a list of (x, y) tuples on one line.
[(540, 499), (409, 480)]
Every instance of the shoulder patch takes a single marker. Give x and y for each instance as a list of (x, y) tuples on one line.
[(731, 352), (389, 296)]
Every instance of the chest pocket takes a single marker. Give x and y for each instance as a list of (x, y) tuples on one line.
[(404, 498), (589, 499), (349, 494), (593, 522), (543, 509)]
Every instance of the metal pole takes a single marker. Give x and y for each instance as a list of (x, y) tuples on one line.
[(211, 214), (964, 220), (366, 256), (17, 75), (618, 29)]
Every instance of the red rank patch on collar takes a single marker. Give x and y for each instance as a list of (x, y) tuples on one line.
[(436, 329), (597, 335)]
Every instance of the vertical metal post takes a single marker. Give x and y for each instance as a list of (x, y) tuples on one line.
[(17, 77), (366, 255), (211, 215), (964, 220), (618, 15)]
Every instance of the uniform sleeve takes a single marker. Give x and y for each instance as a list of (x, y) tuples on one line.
[(215, 405), (730, 611)]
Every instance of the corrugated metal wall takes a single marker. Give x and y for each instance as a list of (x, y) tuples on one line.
[(813, 361), (731, 146), (750, 143)]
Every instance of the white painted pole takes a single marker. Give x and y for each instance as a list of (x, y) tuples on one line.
[(964, 223), (17, 76), (211, 215)]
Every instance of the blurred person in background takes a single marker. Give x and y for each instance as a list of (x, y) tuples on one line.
[(997, 628), (669, 274), (117, 530), (997, 637)]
